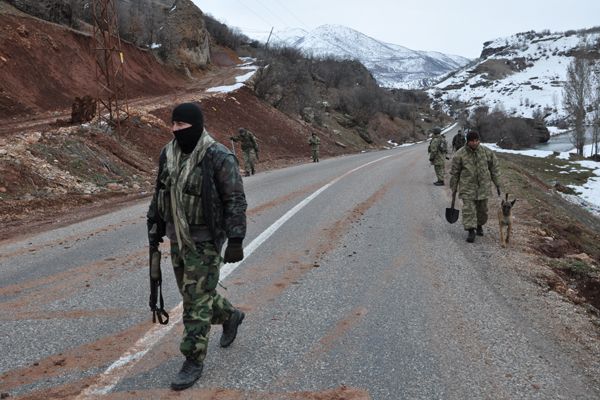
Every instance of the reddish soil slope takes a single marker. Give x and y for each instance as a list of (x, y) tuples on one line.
[(44, 66)]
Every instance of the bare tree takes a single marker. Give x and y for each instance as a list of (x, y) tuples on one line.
[(596, 118), (577, 90)]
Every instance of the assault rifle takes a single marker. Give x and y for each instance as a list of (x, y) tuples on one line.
[(156, 288)]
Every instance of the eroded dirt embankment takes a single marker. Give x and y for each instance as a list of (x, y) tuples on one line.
[(44, 66)]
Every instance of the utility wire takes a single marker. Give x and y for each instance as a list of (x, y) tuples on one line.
[(254, 12), (273, 14), (282, 5)]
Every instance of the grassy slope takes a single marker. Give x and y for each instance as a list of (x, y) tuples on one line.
[(566, 236)]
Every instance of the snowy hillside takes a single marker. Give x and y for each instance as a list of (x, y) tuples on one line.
[(520, 73), (392, 65)]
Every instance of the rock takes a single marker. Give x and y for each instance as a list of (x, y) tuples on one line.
[(581, 257), (184, 38), (518, 133), (563, 189), (21, 30), (347, 121), (556, 248), (364, 134), (33, 138), (114, 186), (83, 109), (58, 11), (2, 189), (308, 114)]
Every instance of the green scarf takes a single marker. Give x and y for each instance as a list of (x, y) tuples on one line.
[(178, 174)]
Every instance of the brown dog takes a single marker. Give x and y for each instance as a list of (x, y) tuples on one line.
[(505, 220)]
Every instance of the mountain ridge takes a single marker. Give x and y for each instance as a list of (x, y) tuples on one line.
[(523, 74), (393, 65)]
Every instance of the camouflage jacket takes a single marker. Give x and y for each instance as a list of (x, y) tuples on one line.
[(216, 185), (473, 172), (437, 149), (314, 142), (248, 141), (458, 141)]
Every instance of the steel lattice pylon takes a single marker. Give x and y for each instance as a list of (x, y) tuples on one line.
[(111, 95)]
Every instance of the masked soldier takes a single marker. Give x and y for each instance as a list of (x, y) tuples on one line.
[(474, 168), (198, 202), (249, 148), (437, 155), (314, 143)]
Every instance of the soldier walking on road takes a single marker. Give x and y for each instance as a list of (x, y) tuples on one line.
[(198, 202), (249, 148), (438, 148), (458, 141), (474, 168), (314, 143)]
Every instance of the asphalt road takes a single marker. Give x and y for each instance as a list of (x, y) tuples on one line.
[(360, 289)]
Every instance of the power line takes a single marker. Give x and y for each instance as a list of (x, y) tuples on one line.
[(254, 12), (282, 5), (273, 14)]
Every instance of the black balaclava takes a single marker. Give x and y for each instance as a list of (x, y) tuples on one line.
[(192, 114)]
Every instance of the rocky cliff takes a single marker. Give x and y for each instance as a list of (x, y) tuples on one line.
[(173, 29)]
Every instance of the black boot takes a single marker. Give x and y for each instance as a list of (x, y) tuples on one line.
[(188, 374), (230, 328), (439, 183), (479, 230), (471, 237)]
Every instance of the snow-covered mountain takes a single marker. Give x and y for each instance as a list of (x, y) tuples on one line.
[(392, 65), (520, 73)]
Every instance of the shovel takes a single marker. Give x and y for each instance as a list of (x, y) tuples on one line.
[(452, 213)]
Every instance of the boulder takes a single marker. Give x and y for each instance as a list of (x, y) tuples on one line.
[(364, 134), (185, 42), (83, 109), (308, 114), (58, 11)]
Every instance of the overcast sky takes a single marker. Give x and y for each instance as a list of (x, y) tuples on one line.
[(449, 26)]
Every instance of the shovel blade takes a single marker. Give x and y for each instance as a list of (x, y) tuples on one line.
[(452, 215)]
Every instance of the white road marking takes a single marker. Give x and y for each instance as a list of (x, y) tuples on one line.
[(117, 370)]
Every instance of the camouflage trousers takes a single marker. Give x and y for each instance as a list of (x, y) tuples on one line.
[(440, 170), (474, 212), (315, 155), (249, 157), (197, 277)]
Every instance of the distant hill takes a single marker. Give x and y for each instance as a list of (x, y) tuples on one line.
[(393, 66), (520, 73)]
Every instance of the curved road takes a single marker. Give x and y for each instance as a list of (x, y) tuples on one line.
[(354, 287)]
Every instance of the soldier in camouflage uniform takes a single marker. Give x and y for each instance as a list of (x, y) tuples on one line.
[(438, 148), (474, 168), (314, 143), (199, 202), (249, 148), (458, 141)]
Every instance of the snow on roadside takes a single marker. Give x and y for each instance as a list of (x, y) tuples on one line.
[(247, 65), (588, 194)]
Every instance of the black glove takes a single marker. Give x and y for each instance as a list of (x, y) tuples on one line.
[(234, 251), (155, 234)]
